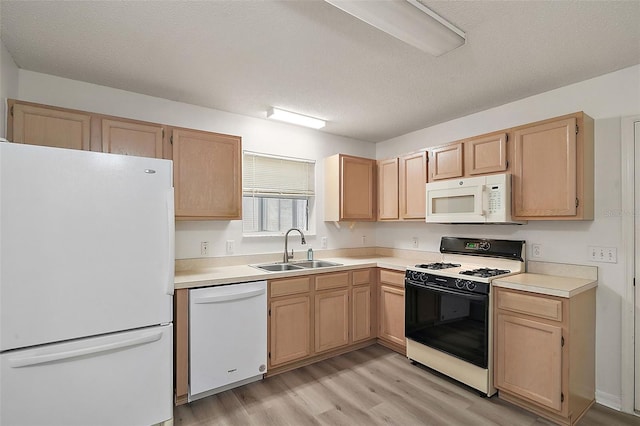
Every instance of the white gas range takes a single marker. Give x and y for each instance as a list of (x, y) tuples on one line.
[(448, 308)]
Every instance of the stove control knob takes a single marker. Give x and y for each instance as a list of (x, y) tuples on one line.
[(470, 285), (415, 275), (459, 283)]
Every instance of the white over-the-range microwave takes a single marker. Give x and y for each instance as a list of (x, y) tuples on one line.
[(482, 199)]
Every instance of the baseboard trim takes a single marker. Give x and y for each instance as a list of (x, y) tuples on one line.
[(609, 400)]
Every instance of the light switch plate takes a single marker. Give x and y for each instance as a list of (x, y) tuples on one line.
[(603, 254)]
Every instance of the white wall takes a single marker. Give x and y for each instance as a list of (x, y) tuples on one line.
[(259, 135), (606, 99), (8, 84)]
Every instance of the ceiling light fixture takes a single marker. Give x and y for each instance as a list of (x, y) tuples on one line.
[(294, 118), (407, 20)]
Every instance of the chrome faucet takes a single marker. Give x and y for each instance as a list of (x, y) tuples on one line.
[(288, 256)]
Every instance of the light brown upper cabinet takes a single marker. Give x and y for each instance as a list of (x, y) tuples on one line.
[(553, 169), (401, 187), (207, 174), (132, 138), (48, 126), (479, 155), (349, 188), (446, 161), (388, 189), (485, 154), (413, 177)]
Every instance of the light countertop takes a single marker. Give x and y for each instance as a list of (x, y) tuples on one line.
[(220, 275), (551, 285)]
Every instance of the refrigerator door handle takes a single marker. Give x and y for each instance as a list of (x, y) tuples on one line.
[(228, 297), (94, 350), (171, 241)]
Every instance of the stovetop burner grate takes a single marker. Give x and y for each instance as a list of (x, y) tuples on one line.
[(485, 272), (438, 265)]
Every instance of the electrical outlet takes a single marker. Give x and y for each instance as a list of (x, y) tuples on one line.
[(603, 254), (230, 244), (323, 243), (364, 240), (414, 242), (536, 250), (204, 248)]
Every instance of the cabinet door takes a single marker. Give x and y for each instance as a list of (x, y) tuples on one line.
[(130, 138), (544, 169), (361, 313), (392, 314), (58, 128), (388, 189), (529, 359), (207, 175), (289, 330), (486, 154), (331, 319), (357, 184), (413, 177), (446, 161)]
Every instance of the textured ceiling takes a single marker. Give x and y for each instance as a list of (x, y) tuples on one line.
[(310, 57)]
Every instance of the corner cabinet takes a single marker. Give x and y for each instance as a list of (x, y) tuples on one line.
[(553, 170), (207, 171), (545, 352), (48, 126), (349, 189)]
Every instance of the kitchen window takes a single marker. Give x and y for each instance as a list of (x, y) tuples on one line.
[(277, 193)]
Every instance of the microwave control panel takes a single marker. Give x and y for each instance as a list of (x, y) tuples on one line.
[(495, 199)]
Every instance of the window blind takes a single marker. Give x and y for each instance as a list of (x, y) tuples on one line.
[(271, 176)]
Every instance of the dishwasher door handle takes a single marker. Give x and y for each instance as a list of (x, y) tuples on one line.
[(227, 297)]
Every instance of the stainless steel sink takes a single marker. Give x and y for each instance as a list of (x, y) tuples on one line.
[(278, 267), (316, 264), (295, 266)]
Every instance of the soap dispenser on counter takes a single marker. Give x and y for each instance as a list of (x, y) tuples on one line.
[(310, 254)]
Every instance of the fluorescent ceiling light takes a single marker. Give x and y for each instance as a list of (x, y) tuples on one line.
[(293, 118), (407, 20)]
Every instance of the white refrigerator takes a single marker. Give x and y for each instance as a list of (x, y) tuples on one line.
[(86, 284)]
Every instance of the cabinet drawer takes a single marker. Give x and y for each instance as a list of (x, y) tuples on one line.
[(289, 286), (391, 277), (361, 277), (537, 306), (324, 282)]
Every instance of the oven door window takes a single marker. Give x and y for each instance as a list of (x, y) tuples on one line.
[(455, 323)]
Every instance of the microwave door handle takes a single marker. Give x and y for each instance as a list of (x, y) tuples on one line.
[(479, 200)]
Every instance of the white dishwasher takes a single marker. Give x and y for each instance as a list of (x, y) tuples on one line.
[(227, 337)]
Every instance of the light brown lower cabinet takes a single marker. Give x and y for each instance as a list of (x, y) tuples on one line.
[(331, 319), (289, 320), (545, 352), (290, 325), (391, 310), (318, 316)]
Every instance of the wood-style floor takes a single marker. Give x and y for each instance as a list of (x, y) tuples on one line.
[(371, 386)]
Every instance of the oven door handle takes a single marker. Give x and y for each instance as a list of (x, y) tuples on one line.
[(444, 290)]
